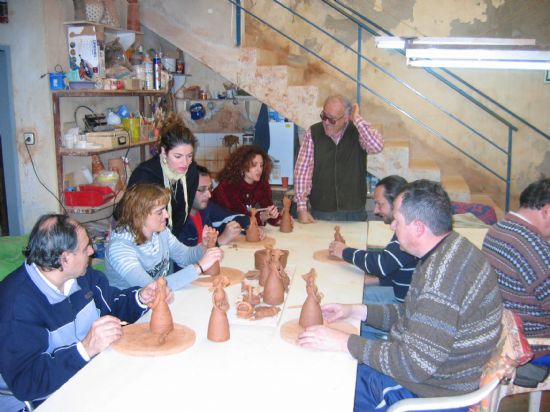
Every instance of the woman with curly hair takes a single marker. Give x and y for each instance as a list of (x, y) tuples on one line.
[(244, 183), (174, 169), (141, 246)]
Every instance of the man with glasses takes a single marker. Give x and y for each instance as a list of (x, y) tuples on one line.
[(206, 212), (331, 164)]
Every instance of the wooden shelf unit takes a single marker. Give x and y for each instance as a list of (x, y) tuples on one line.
[(61, 152)]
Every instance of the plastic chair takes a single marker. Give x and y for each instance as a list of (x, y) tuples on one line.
[(512, 351)]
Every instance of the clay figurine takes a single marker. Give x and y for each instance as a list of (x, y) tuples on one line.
[(218, 326), (274, 289), (286, 220), (245, 310), (250, 296), (264, 271), (265, 312), (213, 270), (277, 256), (337, 235), (311, 309), (161, 318), (253, 232)]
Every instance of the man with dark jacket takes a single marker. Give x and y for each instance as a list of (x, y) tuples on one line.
[(205, 212)]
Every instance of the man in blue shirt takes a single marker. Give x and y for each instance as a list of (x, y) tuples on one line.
[(392, 267), (56, 313)]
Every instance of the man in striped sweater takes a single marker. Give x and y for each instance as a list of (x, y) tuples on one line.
[(517, 247), (391, 268), (446, 329)]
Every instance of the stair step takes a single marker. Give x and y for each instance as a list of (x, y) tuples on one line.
[(394, 159), (456, 187), (424, 169), (487, 200)]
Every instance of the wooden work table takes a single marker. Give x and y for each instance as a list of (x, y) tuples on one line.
[(255, 369)]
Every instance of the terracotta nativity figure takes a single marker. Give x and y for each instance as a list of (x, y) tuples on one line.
[(218, 326)]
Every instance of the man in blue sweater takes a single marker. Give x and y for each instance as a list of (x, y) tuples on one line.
[(207, 213), (392, 267), (56, 313)]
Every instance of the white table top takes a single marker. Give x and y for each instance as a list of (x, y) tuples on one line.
[(255, 369)]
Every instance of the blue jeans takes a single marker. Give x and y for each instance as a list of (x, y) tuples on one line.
[(342, 216), (375, 391), (376, 295)]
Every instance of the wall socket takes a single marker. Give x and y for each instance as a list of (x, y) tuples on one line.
[(29, 138)]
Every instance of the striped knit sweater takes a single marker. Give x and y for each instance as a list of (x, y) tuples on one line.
[(520, 257), (446, 329), (392, 266)]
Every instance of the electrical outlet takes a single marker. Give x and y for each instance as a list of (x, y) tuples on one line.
[(29, 138)]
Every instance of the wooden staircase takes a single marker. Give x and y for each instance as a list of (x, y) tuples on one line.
[(283, 88)]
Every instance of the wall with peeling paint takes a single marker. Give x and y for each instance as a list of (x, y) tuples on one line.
[(522, 91)]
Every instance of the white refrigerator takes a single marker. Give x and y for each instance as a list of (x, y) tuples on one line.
[(281, 151)]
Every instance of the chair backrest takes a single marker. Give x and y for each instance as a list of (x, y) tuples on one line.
[(512, 350)]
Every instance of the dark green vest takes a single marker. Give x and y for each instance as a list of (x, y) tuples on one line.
[(339, 171)]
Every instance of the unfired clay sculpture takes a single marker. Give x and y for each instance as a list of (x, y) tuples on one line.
[(337, 235), (311, 309), (161, 318), (274, 289), (286, 220), (218, 326), (253, 232), (213, 270)]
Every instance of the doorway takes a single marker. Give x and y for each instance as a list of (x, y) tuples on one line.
[(11, 222)]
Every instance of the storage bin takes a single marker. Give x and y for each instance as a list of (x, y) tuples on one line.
[(89, 196)]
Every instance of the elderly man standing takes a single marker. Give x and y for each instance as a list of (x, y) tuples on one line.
[(517, 247), (392, 268), (56, 313), (331, 165), (446, 329)]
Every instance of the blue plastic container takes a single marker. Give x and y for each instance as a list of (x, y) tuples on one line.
[(57, 81)]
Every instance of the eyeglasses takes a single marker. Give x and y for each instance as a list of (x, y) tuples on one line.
[(324, 118), (203, 189)]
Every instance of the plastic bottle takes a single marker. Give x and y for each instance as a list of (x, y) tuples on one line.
[(156, 73), (148, 65)]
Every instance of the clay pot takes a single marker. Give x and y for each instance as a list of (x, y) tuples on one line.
[(259, 257), (311, 310), (161, 318)]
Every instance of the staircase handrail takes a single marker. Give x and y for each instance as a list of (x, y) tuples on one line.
[(437, 75), (511, 128)]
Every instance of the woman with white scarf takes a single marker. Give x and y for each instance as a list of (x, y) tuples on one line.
[(174, 169)]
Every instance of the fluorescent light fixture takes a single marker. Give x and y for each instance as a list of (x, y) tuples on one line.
[(395, 42), (479, 64), (492, 57)]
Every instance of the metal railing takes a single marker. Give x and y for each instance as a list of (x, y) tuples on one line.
[(367, 25)]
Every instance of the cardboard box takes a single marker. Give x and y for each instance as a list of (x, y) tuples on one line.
[(109, 140), (86, 51)]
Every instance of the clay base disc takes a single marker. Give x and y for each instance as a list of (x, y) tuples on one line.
[(240, 241), (324, 256), (137, 340), (234, 276), (291, 329)]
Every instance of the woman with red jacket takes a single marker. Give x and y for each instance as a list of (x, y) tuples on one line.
[(244, 183)]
